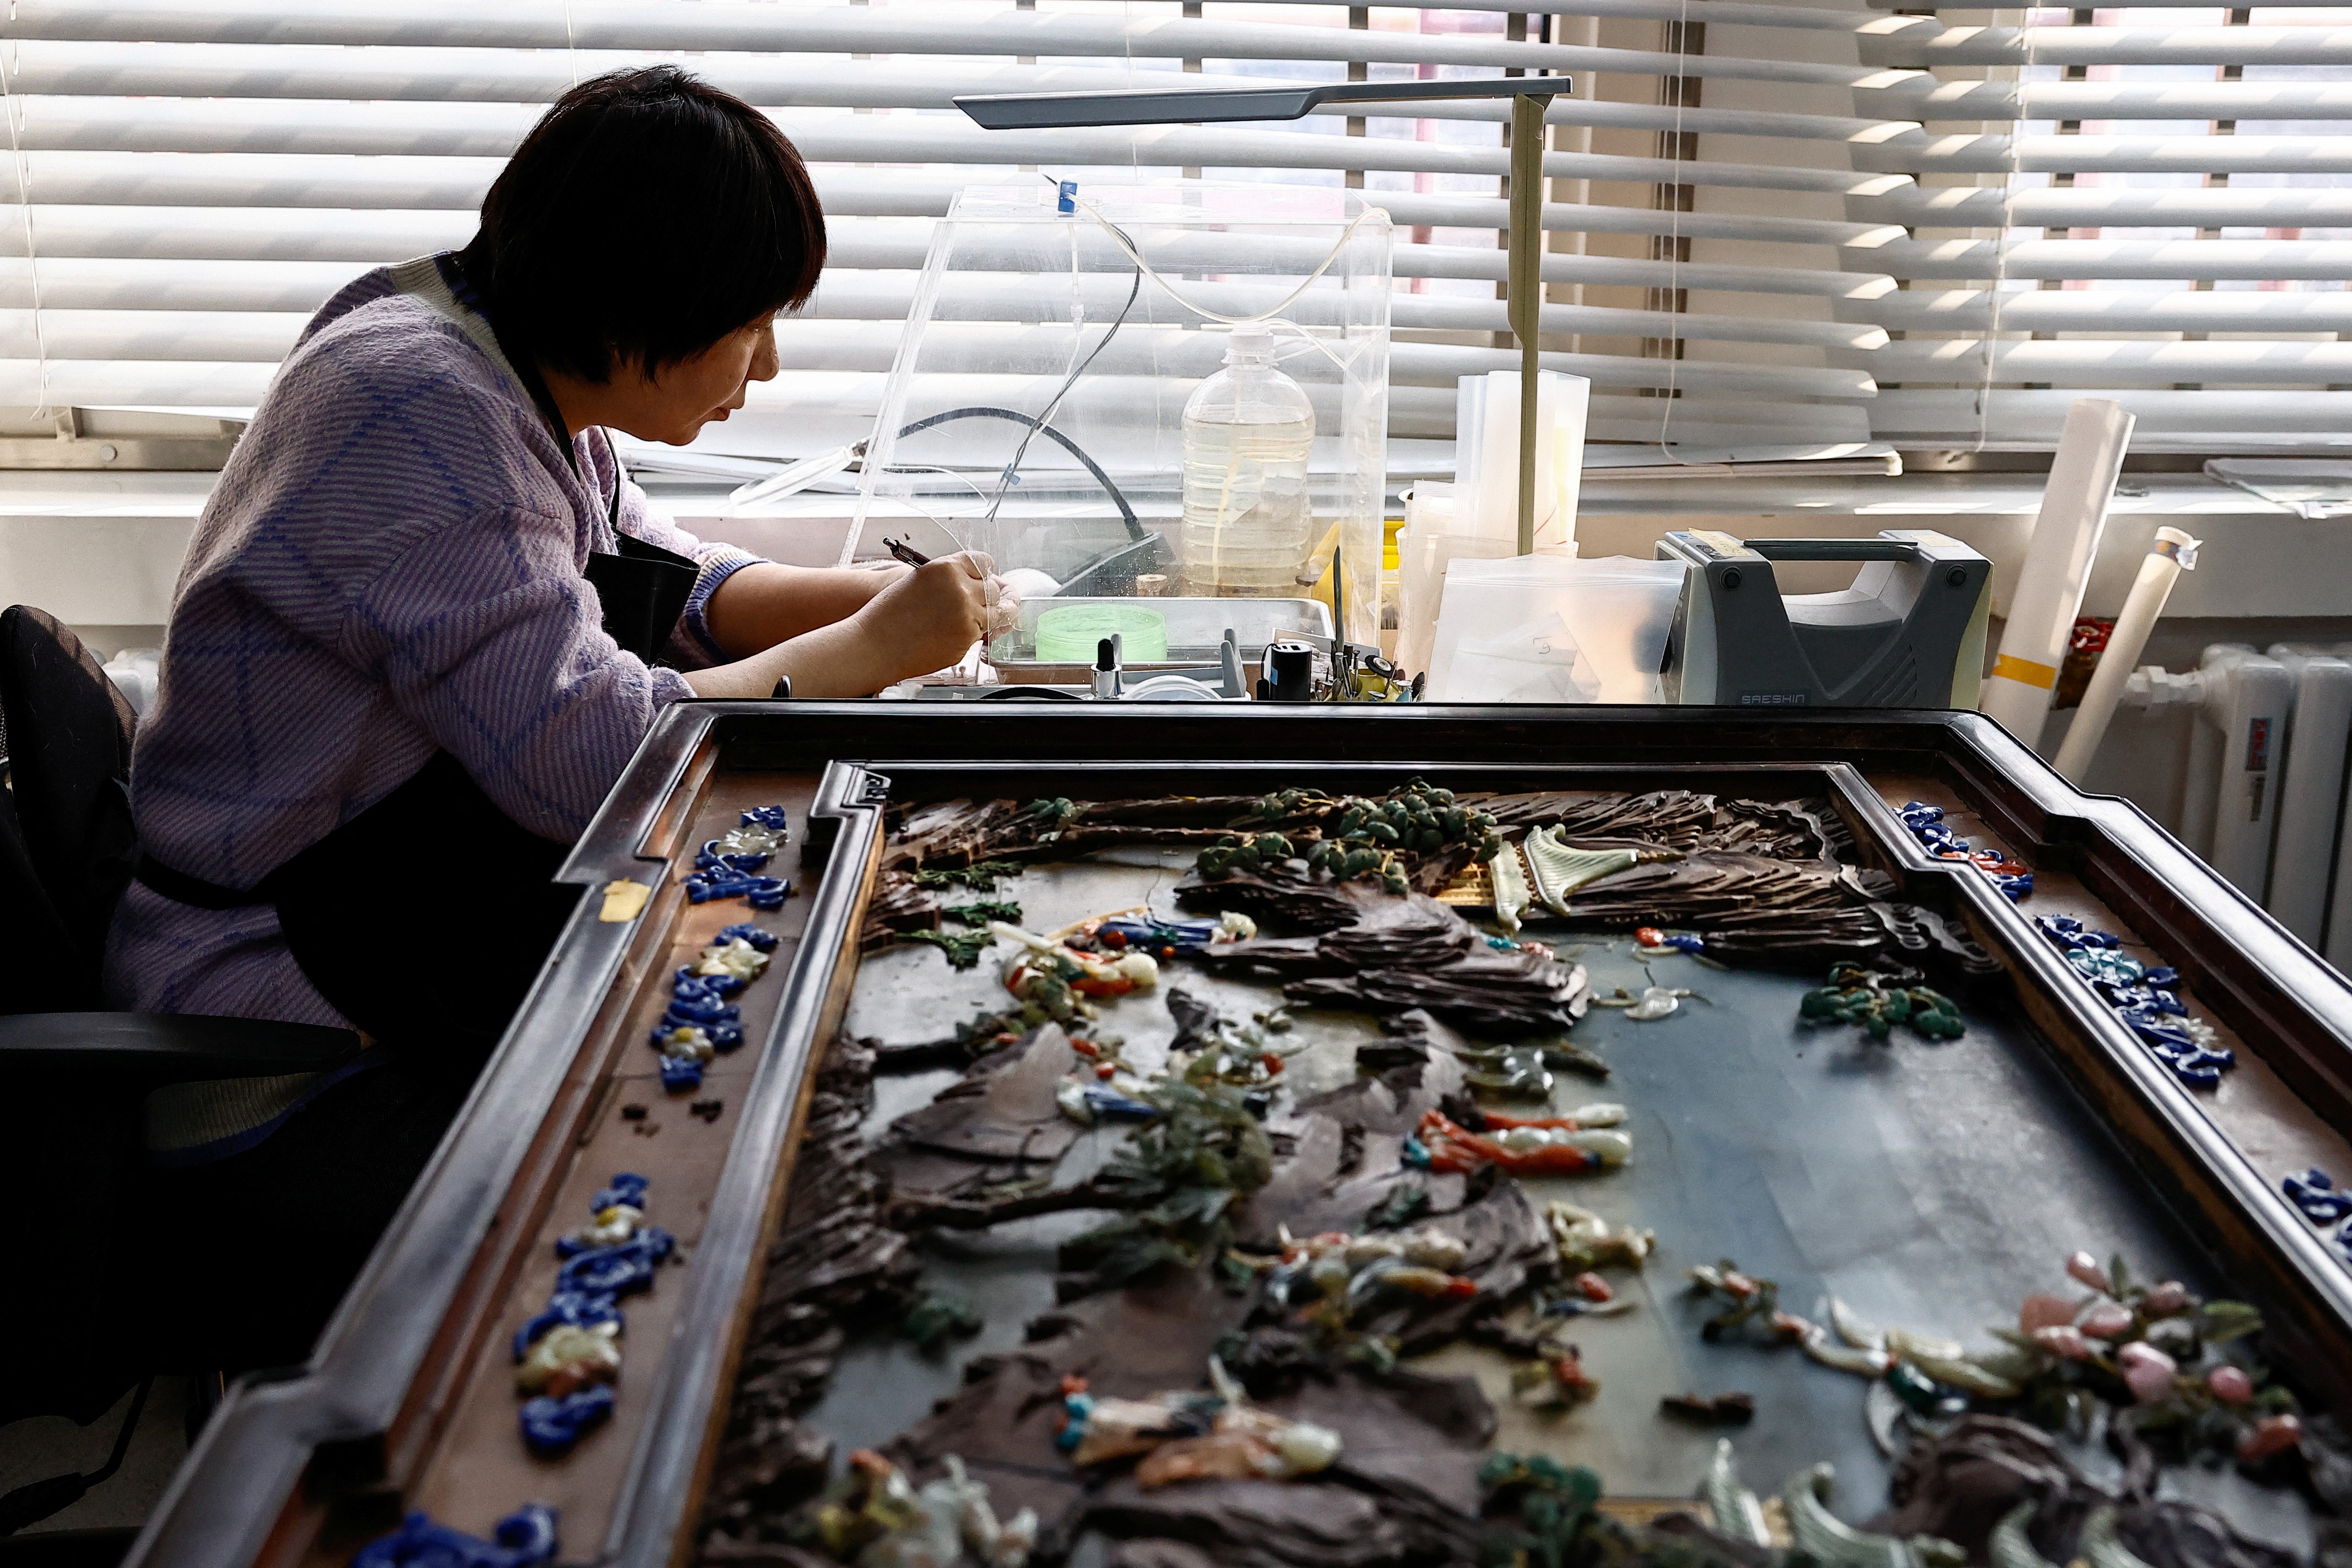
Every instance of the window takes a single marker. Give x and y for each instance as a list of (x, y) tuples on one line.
[(1775, 231)]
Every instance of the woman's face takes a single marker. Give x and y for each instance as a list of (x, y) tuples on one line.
[(694, 391)]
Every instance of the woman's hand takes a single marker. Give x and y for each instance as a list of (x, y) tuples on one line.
[(930, 618), (917, 621)]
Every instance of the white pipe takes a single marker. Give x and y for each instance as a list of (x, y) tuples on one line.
[(2057, 564), (2173, 552)]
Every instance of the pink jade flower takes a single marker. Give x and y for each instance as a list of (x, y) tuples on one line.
[(2106, 1321), (2148, 1371), (2084, 1270), (2040, 1312), (2064, 1339), (2165, 1300), (2271, 1435), (2229, 1385)]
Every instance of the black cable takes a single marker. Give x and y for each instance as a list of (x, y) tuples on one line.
[(1054, 403), (36, 1501), (1134, 527)]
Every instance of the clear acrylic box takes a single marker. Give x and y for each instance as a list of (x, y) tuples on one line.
[(1026, 312)]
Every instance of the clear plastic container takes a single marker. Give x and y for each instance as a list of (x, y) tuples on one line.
[(1101, 316), (1248, 520)]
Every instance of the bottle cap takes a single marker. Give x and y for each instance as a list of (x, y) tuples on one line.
[(1250, 342)]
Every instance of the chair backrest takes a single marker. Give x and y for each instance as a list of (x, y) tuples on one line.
[(69, 762), (39, 969)]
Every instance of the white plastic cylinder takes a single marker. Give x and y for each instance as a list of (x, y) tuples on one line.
[(2173, 552), (2057, 564), (1487, 456)]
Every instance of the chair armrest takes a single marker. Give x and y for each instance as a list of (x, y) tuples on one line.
[(164, 1048)]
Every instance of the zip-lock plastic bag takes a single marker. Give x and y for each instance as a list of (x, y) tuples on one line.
[(1536, 662), (1616, 610)]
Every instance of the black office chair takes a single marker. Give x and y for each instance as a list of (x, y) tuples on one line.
[(73, 1076)]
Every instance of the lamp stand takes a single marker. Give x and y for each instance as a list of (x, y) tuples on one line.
[(1524, 300)]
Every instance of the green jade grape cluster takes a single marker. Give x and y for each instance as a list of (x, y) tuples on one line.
[(1366, 837), (1857, 996)]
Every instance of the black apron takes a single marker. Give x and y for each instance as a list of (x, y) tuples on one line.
[(425, 918)]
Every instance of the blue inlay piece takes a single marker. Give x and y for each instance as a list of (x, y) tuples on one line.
[(551, 1427), (774, 816), (2105, 967), (2317, 1197), (705, 884), (1109, 1102), (715, 985), (2344, 1241), (625, 1187), (2145, 997), (710, 857), (1927, 824), (1184, 936), (566, 1309), (2151, 1026), (524, 1539), (725, 1035), (679, 1074), (758, 936), (619, 1270), (1078, 1409), (1415, 1153), (697, 1010)]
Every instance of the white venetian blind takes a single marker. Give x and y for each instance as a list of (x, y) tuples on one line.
[(2152, 204), (185, 180)]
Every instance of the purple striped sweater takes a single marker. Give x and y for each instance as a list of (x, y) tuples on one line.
[(390, 565)]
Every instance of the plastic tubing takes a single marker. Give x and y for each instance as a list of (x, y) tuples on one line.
[(2173, 552)]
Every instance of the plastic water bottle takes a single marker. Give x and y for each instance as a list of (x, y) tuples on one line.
[(1248, 520)]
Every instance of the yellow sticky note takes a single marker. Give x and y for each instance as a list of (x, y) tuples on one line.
[(624, 900)]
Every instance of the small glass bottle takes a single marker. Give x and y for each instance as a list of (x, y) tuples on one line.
[(1248, 519)]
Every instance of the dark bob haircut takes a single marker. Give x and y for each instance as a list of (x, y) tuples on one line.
[(645, 217)]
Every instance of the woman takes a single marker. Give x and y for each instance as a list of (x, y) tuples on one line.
[(398, 677)]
